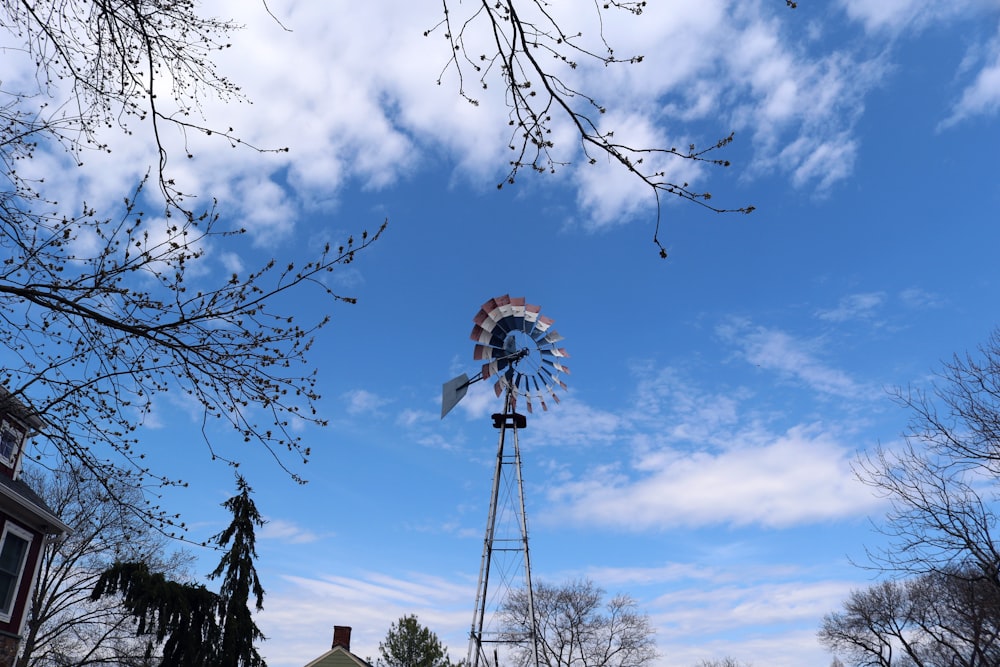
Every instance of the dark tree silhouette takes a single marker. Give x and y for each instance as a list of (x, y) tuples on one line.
[(935, 619), (198, 627), (181, 617), (941, 483), (239, 581)]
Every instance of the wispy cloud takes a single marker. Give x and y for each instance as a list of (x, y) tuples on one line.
[(897, 19), (304, 609), (895, 16), (981, 96), (920, 299), (792, 357), (287, 531), (854, 307), (362, 401)]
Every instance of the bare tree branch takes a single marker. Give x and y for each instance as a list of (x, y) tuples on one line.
[(539, 94)]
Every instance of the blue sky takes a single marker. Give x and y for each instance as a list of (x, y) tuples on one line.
[(701, 457)]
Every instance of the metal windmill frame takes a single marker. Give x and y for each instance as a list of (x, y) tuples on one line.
[(519, 348)]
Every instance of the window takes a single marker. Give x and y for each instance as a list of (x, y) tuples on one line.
[(10, 443), (13, 552)]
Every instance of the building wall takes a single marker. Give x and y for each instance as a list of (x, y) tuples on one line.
[(14, 626), (8, 650)]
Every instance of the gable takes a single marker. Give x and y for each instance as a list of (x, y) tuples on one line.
[(338, 656)]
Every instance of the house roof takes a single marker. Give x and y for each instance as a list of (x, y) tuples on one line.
[(14, 406), (338, 656), (28, 507)]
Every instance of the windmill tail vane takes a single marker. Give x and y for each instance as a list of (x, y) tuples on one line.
[(519, 348)]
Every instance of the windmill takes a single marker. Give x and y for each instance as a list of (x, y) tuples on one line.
[(519, 350)]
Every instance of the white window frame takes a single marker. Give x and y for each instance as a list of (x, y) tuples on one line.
[(9, 528), (7, 425)]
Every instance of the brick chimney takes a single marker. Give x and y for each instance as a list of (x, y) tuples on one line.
[(342, 636)]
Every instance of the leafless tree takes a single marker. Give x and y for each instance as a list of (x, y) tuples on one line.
[(533, 54), (135, 65), (65, 625), (103, 312), (934, 620), (942, 485), (575, 627), (942, 482), (723, 662)]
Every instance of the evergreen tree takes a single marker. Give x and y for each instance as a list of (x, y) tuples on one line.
[(239, 580), (180, 616), (197, 627), (410, 644)]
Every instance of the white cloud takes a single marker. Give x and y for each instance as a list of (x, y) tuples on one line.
[(682, 411), (724, 607), (894, 16), (410, 418), (981, 97), (572, 423), (609, 194), (303, 611), (898, 18), (358, 105), (361, 401), (480, 400), (792, 358), (803, 475), (802, 110), (914, 297), (286, 531), (854, 306), (352, 93)]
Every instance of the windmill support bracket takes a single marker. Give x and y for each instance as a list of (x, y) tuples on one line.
[(509, 420)]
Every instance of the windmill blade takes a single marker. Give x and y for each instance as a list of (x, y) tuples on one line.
[(490, 333), (481, 335), (485, 353), (517, 308), (552, 364), (552, 337), (500, 313), (541, 326), (503, 304), (531, 312)]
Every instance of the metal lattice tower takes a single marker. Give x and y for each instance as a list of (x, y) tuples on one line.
[(506, 561), (516, 343)]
